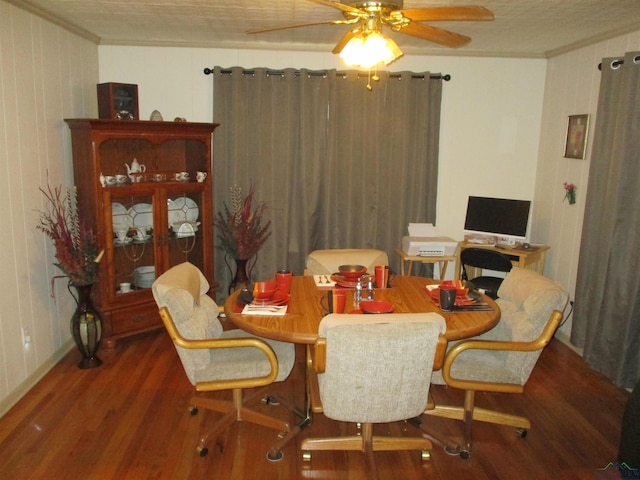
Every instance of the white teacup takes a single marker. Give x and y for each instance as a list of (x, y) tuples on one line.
[(121, 178), (139, 234), (184, 176), (109, 180), (200, 176), (125, 287), (122, 234)]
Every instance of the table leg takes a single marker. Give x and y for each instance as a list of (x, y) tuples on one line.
[(306, 416)]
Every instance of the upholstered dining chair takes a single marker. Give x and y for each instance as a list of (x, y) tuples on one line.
[(502, 359), (214, 359), (372, 369), (326, 262), (484, 259)]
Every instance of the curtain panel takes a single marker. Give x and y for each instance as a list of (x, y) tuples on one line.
[(338, 166), (607, 306)]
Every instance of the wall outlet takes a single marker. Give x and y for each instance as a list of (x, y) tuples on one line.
[(26, 337)]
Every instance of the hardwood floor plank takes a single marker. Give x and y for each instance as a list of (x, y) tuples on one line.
[(129, 419)]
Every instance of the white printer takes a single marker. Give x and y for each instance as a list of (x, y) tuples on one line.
[(424, 242)]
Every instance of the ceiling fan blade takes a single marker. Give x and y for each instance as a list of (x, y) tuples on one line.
[(296, 25), (343, 41), (434, 34), (472, 13), (339, 6)]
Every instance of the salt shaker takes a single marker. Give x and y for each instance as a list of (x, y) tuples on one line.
[(357, 296), (370, 288)]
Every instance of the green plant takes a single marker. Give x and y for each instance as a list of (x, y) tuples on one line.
[(240, 228)]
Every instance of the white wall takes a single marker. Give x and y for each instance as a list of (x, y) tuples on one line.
[(46, 74), (491, 110), (572, 86)]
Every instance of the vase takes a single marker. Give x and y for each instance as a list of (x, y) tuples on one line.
[(242, 275), (86, 327), (571, 197)]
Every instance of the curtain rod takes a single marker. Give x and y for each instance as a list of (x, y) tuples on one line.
[(619, 62), (446, 78)]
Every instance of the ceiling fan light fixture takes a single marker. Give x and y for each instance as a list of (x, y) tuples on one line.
[(368, 49)]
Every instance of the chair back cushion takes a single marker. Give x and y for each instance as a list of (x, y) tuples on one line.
[(326, 262), (485, 259), (378, 367), (178, 289)]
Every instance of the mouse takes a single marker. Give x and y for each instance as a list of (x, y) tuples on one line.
[(525, 246)]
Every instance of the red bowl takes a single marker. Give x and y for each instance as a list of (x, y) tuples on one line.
[(264, 290), (461, 290), (352, 272), (374, 306)]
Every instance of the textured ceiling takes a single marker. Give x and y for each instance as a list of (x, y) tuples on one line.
[(522, 28)]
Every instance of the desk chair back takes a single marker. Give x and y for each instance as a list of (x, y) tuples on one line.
[(484, 259)]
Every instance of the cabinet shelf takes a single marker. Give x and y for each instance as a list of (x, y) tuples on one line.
[(108, 148)]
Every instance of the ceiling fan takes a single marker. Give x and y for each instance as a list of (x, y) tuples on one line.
[(369, 17)]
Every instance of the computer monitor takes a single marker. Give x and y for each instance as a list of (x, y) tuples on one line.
[(505, 219)]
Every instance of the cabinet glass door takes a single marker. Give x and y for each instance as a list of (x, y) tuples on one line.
[(132, 258), (185, 241)]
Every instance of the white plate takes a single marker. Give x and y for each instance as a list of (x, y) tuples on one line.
[(186, 210), (120, 217), (173, 212), (126, 241), (142, 215)]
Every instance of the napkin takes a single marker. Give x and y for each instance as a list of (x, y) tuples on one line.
[(275, 310), (324, 281)]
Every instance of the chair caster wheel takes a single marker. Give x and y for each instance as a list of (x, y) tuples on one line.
[(464, 454), (279, 455), (425, 455), (269, 400), (193, 411), (202, 451), (306, 456), (522, 432)]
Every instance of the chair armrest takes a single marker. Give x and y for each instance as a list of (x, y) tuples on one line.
[(251, 342), (537, 344)]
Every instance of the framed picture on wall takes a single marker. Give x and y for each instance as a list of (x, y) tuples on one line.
[(577, 131)]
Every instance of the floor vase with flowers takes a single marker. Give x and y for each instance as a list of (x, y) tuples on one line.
[(242, 276), (86, 326)]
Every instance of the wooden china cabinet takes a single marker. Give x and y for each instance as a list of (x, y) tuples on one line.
[(148, 216)]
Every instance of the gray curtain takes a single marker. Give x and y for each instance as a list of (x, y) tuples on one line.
[(339, 166), (607, 306)]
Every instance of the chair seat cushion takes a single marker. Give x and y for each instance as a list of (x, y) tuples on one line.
[(245, 362)]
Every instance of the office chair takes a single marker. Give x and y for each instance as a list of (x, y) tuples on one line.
[(326, 262), (214, 359), (484, 259), (502, 359), (372, 369)]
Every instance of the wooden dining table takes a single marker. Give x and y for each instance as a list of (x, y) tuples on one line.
[(407, 294), (305, 311)]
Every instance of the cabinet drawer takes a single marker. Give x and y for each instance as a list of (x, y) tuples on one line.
[(134, 318)]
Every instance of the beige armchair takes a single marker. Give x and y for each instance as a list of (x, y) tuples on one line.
[(372, 369), (214, 359), (326, 262), (502, 359)]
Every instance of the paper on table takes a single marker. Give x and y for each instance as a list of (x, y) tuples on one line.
[(276, 310), (324, 281)]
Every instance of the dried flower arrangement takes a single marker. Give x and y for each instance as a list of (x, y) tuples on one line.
[(77, 251), (240, 228)]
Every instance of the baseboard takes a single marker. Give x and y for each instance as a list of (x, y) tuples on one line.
[(564, 338), (21, 390)]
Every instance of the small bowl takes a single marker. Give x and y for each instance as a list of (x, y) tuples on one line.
[(374, 306), (352, 272), (460, 286), (264, 290)]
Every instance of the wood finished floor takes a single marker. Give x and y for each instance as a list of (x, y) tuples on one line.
[(128, 419)]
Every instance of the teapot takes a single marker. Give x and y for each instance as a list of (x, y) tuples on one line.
[(135, 168)]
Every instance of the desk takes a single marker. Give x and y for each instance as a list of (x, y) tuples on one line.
[(531, 258), (300, 324), (442, 261)]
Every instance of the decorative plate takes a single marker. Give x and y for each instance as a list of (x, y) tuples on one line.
[(142, 215), (185, 210), (120, 217)]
